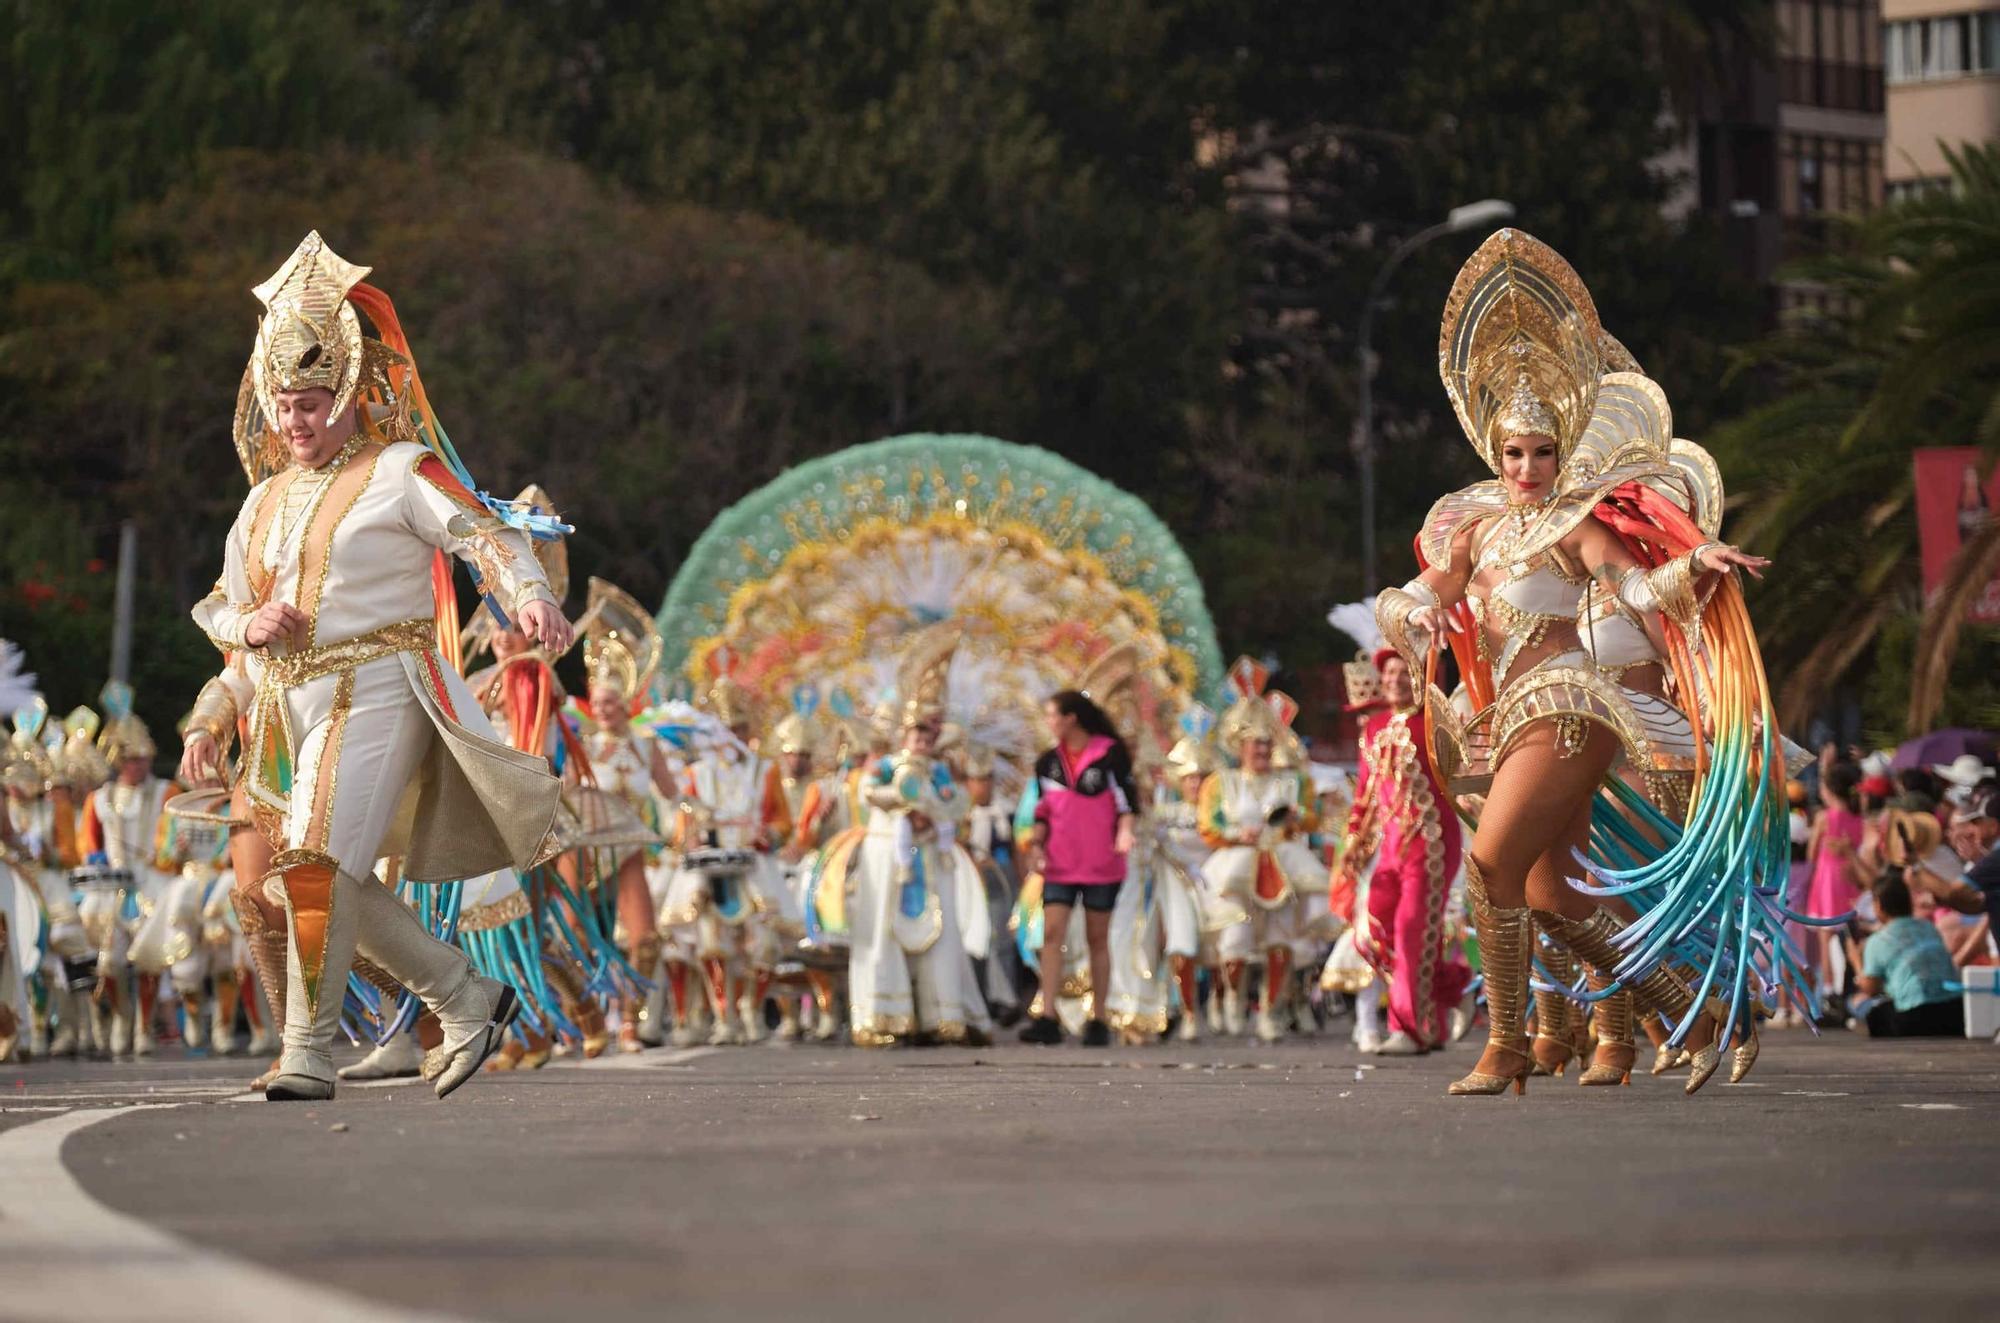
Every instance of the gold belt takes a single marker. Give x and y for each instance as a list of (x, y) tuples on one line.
[(296, 668), (268, 754)]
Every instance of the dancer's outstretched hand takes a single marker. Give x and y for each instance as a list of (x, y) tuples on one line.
[(1719, 558), (545, 623)]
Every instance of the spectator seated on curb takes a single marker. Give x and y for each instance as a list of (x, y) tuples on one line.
[(1905, 963)]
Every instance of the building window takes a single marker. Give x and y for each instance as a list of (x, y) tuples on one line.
[(1829, 175), (1831, 54), (1919, 49)]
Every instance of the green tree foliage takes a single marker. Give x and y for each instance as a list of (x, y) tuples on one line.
[(1900, 355), (645, 363), (652, 254)]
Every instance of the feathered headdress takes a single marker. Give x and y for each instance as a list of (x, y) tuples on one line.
[(924, 672)]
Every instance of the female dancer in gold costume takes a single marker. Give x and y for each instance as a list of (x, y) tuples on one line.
[(1582, 576)]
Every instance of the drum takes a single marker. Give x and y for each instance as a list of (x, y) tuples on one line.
[(715, 860), (79, 973), (100, 878)]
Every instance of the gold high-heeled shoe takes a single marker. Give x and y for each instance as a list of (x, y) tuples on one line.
[(1478, 1083), (1504, 936), (1614, 1039), (1707, 1059), (1661, 990), (1743, 1056)]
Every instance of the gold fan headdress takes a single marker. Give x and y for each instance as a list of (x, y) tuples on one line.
[(1519, 346), (924, 671), (1108, 682), (621, 647)]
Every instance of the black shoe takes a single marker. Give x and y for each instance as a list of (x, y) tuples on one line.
[(1096, 1033), (1045, 1029)]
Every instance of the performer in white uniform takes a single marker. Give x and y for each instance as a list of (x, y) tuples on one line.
[(328, 574)]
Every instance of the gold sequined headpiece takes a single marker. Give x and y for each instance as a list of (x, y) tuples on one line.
[(1520, 346), (925, 671), (792, 734), (1525, 414), (126, 737), (621, 646), (1255, 715), (1190, 757), (309, 336)]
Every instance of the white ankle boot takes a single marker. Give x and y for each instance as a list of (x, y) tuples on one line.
[(1233, 1021), (751, 1012), (399, 1058), (474, 1012)]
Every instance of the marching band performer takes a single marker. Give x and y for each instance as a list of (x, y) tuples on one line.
[(40, 832), (725, 905), (1255, 817), (125, 829), (621, 650), (328, 576)]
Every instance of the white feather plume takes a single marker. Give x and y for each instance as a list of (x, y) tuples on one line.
[(1357, 621), (17, 687)]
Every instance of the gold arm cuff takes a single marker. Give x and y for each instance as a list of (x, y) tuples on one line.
[(213, 713), (1393, 609)]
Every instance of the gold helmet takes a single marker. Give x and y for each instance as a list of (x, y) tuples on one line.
[(81, 764), (977, 761), (126, 737), (29, 769), (1250, 716), (792, 735), (1190, 757), (123, 735), (1194, 753), (1520, 348), (727, 699), (309, 336), (621, 645)]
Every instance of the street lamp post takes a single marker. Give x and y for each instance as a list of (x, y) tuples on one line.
[(1469, 216)]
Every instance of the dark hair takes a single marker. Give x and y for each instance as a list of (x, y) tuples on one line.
[(1076, 703), (1892, 895), (1918, 780), (1841, 781)]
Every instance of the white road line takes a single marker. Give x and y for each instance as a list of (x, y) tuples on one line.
[(635, 1060), (66, 1257)]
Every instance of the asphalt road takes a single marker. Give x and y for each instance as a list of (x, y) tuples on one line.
[(1215, 1182)]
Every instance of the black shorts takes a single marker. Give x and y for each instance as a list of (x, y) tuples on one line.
[(1098, 897)]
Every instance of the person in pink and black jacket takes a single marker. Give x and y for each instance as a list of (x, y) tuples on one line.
[(1077, 817)]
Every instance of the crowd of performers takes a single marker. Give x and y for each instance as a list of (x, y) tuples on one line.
[(1568, 779)]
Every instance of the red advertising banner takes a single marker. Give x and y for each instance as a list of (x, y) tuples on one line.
[(1952, 503)]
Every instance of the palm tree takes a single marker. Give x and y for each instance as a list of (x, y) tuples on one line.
[(1902, 356)]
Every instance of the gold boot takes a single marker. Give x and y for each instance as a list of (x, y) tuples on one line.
[(1504, 936), (1661, 989), (1614, 1038), (1555, 1039)]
